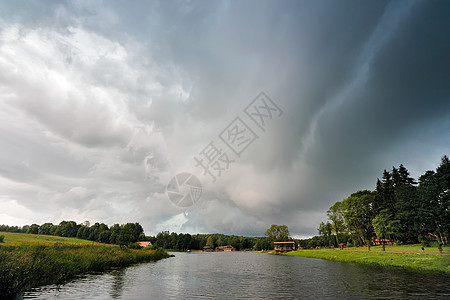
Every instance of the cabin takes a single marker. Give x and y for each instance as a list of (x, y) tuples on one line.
[(208, 249), (145, 244), (227, 248), (284, 246)]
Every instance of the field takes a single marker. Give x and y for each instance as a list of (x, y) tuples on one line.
[(15, 239), (30, 260), (405, 256)]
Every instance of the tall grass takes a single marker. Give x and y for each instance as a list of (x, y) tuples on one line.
[(30, 264)]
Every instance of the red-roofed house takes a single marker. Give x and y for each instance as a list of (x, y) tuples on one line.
[(145, 244)]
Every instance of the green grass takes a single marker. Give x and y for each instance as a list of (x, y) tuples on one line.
[(408, 257), (414, 248), (26, 262), (20, 238)]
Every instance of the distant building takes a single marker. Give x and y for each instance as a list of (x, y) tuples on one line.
[(377, 242), (227, 248), (284, 246), (208, 249), (145, 244)]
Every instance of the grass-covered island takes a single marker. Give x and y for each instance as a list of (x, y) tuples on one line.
[(406, 256), (31, 260)]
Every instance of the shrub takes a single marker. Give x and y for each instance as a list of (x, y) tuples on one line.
[(425, 242), (2, 238), (134, 246)]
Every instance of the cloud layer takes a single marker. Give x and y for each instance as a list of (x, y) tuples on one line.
[(103, 103)]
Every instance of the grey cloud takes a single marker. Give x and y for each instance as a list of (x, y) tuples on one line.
[(145, 86)]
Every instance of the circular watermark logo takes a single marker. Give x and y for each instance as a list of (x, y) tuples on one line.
[(184, 189)]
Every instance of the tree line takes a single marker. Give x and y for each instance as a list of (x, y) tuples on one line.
[(185, 241), (400, 210), (124, 234), (15, 229), (127, 234)]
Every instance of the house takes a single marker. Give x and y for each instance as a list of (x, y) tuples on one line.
[(227, 248), (145, 244), (284, 246), (208, 249)]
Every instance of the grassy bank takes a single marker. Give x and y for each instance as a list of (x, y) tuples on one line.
[(26, 263), (409, 257)]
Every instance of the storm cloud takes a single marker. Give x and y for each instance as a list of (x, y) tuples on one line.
[(102, 103)]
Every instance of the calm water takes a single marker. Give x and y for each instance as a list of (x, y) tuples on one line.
[(249, 276)]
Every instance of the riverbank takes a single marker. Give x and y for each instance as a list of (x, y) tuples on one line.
[(53, 260), (406, 257)]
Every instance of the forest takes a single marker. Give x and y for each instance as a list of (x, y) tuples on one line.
[(130, 233), (124, 234), (400, 210)]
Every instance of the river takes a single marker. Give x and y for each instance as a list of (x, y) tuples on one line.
[(239, 275)]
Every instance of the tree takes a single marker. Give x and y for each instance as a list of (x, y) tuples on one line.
[(385, 226), (133, 229), (68, 228), (45, 228), (210, 242), (385, 194), (113, 238), (326, 230), (261, 244), (337, 220), (434, 196), (277, 233), (443, 207), (124, 239), (33, 229), (163, 240), (104, 236), (54, 230), (80, 232)]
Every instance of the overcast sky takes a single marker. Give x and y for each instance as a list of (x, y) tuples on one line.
[(103, 102)]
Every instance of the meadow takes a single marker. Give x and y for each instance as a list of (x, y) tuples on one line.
[(31, 260), (405, 256)]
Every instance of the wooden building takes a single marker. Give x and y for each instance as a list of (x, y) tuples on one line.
[(227, 248), (284, 246)]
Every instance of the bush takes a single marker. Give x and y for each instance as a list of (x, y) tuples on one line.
[(425, 242), (2, 238), (134, 246)]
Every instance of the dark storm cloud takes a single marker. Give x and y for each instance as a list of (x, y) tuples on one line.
[(118, 97)]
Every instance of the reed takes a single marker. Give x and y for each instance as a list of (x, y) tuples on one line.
[(32, 264)]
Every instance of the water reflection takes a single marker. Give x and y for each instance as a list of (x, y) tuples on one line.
[(249, 275), (118, 282)]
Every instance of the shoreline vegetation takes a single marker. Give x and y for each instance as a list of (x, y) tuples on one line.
[(399, 211), (410, 257), (33, 260)]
